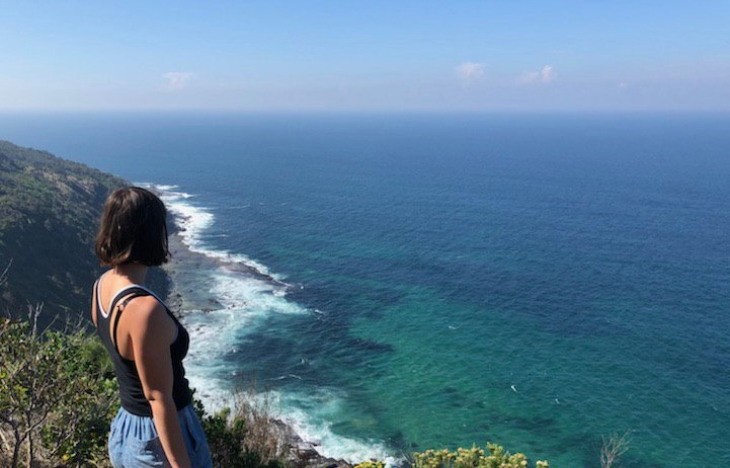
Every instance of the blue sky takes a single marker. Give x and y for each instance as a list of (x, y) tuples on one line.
[(365, 56)]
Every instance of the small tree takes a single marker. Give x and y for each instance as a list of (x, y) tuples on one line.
[(612, 448), (56, 398), (78, 429), (28, 369)]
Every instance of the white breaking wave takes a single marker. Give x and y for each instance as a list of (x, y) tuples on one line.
[(251, 297), (192, 222), (312, 425), (246, 300)]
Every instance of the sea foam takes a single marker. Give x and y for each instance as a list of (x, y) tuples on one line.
[(244, 299), (193, 221)]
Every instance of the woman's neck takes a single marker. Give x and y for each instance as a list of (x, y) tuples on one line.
[(134, 272)]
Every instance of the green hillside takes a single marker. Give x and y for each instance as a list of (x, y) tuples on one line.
[(49, 210)]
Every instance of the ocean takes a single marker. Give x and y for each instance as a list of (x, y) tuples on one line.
[(395, 283)]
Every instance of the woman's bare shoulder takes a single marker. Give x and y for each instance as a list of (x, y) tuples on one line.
[(146, 314)]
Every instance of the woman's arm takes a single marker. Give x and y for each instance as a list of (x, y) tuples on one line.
[(152, 332)]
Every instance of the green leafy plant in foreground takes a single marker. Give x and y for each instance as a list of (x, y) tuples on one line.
[(57, 397), (494, 457), (370, 464)]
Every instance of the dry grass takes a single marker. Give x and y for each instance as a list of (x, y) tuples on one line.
[(248, 434), (265, 434), (612, 448)]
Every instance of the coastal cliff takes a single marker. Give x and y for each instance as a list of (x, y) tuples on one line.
[(49, 209)]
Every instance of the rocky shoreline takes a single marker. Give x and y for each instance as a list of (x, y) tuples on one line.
[(300, 452)]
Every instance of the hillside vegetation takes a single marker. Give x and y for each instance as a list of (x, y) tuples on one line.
[(49, 209)]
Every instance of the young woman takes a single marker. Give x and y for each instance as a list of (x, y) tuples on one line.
[(156, 425)]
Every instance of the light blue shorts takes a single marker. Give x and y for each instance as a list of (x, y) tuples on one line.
[(134, 443)]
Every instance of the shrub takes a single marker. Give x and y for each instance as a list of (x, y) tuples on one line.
[(370, 464), (246, 435), (57, 396), (474, 457)]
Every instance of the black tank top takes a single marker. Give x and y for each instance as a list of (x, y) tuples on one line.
[(130, 386)]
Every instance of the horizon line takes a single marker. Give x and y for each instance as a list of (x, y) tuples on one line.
[(445, 111)]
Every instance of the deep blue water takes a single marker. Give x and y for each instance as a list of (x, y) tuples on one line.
[(540, 281)]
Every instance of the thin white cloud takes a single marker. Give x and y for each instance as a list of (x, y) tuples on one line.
[(545, 75), (177, 80), (528, 77), (470, 71)]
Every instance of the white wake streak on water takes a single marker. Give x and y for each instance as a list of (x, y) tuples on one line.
[(246, 300)]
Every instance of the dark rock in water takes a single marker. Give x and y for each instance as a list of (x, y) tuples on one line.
[(397, 440), (303, 454)]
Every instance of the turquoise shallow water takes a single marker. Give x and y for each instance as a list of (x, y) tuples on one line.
[(540, 281)]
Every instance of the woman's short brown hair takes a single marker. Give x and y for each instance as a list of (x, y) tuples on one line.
[(133, 229)]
